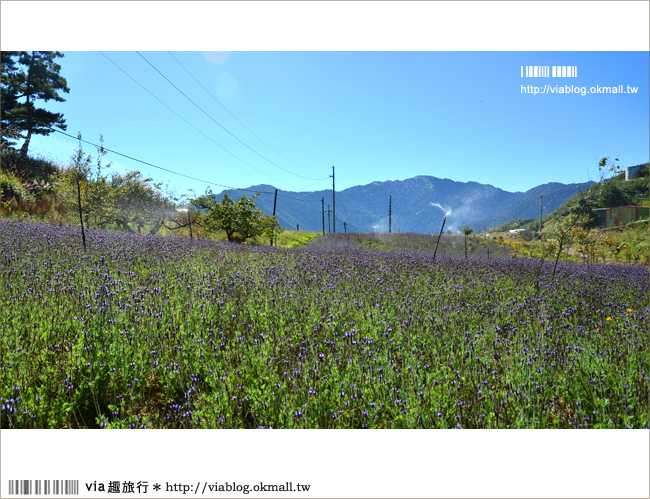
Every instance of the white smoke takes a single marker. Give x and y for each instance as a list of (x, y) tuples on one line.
[(446, 210)]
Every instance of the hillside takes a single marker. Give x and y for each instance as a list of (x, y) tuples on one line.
[(419, 204), (364, 208), (616, 192)]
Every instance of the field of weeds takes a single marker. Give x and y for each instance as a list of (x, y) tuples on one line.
[(153, 332)]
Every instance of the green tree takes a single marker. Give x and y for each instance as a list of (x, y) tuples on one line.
[(612, 196), (581, 213), (240, 220), (79, 170), (185, 216), (8, 95), (134, 200), (467, 230), (128, 201), (28, 77), (73, 184)]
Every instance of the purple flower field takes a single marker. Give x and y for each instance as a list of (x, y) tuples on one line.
[(153, 332)]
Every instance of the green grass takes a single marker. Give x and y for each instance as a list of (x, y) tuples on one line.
[(142, 331), (295, 239)]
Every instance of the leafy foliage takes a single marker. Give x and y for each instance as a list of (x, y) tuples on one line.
[(612, 195), (240, 220), (32, 76), (611, 190), (28, 168), (581, 214), (127, 201), (11, 186), (467, 231)]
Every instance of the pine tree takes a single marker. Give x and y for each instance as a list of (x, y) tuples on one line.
[(28, 77), (8, 98)]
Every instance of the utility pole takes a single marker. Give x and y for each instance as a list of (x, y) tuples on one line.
[(81, 218), (541, 206), (322, 200), (345, 227), (390, 213), (189, 213), (329, 221), (333, 200), (495, 224), (189, 219), (275, 202)]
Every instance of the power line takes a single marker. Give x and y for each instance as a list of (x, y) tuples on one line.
[(219, 124), (174, 172), (298, 199), (181, 117), (147, 163), (360, 229), (180, 174), (347, 214), (344, 209), (237, 119), (206, 136), (311, 185), (285, 196)]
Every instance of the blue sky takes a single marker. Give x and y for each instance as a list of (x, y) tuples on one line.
[(287, 117), (376, 116)]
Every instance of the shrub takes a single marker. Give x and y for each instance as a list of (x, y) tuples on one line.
[(11, 187), (27, 168)]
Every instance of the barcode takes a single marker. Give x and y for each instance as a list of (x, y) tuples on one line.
[(549, 71), (43, 487)]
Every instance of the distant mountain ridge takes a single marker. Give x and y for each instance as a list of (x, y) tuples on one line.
[(419, 205)]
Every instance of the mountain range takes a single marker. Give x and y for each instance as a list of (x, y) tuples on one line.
[(417, 204)]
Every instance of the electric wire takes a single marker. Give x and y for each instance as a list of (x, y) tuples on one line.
[(186, 121), (198, 179), (346, 211), (177, 173), (219, 124), (356, 227), (147, 163), (238, 120)]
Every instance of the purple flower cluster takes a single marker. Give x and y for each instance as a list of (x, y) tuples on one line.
[(179, 333)]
